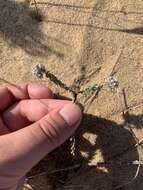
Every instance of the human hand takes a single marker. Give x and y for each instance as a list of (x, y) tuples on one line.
[(32, 124)]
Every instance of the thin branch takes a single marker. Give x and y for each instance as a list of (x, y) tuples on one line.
[(134, 178), (130, 107), (36, 7), (54, 171), (8, 82), (97, 164), (140, 142)]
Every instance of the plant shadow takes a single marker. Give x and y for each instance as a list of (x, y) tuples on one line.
[(19, 28), (98, 141), (86, 9), (135, 31)]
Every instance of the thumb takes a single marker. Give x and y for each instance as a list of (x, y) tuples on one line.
[(24, 148)]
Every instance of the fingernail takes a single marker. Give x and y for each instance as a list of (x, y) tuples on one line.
[(71, 114)]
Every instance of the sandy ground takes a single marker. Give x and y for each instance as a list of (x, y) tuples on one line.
[(83, 43)]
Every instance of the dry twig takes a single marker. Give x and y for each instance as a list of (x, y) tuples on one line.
[(134, 178), (54, 171)]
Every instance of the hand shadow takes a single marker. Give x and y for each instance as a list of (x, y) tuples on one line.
[(99, 139), (19, 29)]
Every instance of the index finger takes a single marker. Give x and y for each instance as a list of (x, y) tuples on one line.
[(13, 93)]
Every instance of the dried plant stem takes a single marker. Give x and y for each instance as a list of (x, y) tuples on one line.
[(137, 163), (116, 62), (131, 107), (54, 171), (138, 143), (8, 82), (133, 179), (76, 186), (119, 163), (36, 7)]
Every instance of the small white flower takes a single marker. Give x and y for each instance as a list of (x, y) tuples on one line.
[(112, 82), (38, 70)]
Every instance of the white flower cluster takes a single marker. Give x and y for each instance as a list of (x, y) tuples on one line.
[(38, 70), (112, 82)]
